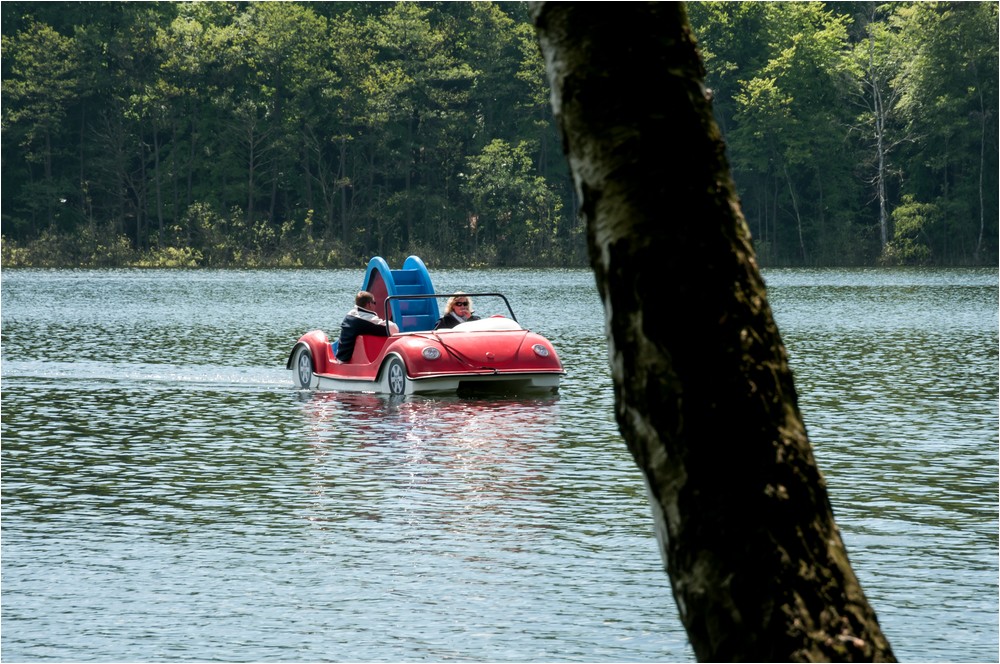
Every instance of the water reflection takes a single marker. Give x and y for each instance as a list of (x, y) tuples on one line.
[(459, 455)]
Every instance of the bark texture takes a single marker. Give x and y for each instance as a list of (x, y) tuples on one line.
[(703, 393)]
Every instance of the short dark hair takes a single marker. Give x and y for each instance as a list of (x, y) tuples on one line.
[(363, 298)]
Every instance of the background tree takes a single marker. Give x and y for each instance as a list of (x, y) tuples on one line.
[(38, 89), (788, 132), (511, 206), (878, 60), (952, 107), (706, 404)]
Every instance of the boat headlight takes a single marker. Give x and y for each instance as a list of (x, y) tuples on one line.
[(540, 350), (430, 353)]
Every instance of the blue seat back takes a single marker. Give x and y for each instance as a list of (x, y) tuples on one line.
[(412, 279)]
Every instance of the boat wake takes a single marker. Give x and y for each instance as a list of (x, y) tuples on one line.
[(83, 371)]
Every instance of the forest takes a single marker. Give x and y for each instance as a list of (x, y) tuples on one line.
[(318, 134)]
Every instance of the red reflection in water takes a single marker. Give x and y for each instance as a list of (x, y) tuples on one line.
[(476, 452)]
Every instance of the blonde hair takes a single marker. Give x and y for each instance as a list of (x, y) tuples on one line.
[(450, 306)]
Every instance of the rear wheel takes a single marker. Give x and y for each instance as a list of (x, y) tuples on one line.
[(395, 373), (302, 367)]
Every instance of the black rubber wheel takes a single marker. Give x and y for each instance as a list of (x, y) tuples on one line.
[(395, 373), (302, 367)]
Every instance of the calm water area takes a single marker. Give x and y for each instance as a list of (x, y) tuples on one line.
[(167, 495)]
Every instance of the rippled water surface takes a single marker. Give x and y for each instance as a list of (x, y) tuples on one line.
[(168, 496)]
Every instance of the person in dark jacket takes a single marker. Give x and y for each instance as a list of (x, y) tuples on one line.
[(361, 320), (457, 310)]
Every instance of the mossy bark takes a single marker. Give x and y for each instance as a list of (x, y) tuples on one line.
[(704, 395)]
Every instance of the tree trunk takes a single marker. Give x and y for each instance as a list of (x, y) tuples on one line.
[(157, 184), (86, 206), (982, 167), (251, 137), (139, 186), (306, 165), (798, 215), (703, 394), (50, 203), (880, 117), (189, 173), (343, 185), (175, 190)]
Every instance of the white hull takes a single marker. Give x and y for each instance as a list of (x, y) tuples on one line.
[(520, 383)]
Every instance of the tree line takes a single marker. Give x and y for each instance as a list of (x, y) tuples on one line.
[(321, 133)]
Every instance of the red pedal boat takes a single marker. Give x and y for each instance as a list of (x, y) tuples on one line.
[(491, 354)]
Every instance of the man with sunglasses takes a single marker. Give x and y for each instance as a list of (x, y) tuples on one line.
[(457, 310)]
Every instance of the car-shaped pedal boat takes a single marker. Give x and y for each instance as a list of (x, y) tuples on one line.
[(492, 354)]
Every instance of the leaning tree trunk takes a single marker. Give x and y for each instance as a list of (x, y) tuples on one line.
[(703, 394)]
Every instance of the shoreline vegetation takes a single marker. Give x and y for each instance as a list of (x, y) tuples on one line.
[(317, 134), (295, 251)]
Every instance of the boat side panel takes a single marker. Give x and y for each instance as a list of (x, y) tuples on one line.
[(320, 348)]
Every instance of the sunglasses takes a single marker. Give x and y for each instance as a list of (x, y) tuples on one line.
[(461, 304)]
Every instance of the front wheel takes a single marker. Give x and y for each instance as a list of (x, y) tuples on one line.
[(302, 367), (395, 373)]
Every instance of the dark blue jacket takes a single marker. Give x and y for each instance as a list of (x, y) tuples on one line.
[(358, 321), (449, 321)]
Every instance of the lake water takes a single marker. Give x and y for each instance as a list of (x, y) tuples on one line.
[(168, 496)]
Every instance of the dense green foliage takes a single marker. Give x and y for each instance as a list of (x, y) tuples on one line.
[(843, 119), (321, 133)]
